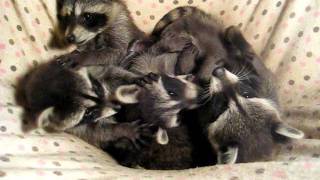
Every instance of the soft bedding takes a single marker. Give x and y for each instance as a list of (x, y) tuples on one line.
[(286, 33)]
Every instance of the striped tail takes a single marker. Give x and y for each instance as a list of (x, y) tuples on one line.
[(171, 16)]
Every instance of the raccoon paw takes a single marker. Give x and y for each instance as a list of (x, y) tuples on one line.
[(232, 33), (177, 43), (148, 79), (139, 133), (123, 151), (67, 63), (187, 60), (69, 60)]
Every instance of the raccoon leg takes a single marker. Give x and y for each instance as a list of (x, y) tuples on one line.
[(123, 152), (135, 48), (171, 43), (106, 131), (225, 154), (118, 74), (105, 57), (67, 60), (124, 141), (186, 61), (234, 37)]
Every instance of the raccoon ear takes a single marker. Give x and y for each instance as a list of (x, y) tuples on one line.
[(44, 117), (228, 157), (128, 94), (162, 136), (288, 131)]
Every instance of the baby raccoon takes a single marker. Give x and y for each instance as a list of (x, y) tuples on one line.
[(161, 58), (54, 96), (101, 29), (158, 100), (205, 33), (61, 99), (246, 127), (248, 134)]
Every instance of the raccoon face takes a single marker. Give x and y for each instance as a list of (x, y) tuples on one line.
[(179, 88), (87, 19), (161, 100), (250, 116), (176, 92)]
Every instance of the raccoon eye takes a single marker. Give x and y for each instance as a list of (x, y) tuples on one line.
[(88, 17), (171, 93), (246, 94), (94, 20)]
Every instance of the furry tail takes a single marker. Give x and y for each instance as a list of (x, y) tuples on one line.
[(172, 16)]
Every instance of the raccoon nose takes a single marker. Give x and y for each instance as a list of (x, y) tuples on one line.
[(70, 38), (219, 72)]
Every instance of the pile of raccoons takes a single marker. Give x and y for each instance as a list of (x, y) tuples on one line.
[(192, 93)]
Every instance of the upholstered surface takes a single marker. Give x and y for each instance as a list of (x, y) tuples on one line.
[(286, 33)]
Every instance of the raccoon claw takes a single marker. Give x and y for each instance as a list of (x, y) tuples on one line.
[(153, 76), (142, 82), (70, 60), (139, 82), (148, 79), (67, 63), (138, 132)]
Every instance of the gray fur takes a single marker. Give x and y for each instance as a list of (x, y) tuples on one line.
[(53, 99), (205, 33), (106, 43), (241, 113), (252, 132)]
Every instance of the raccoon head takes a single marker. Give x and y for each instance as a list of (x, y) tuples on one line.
[(161, 101), (88, 18), (259, 115), (64, 101), (168, 93)]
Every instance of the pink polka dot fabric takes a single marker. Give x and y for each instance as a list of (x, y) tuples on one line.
[(284, 32)]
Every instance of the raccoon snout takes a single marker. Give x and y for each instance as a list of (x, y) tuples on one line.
[(71, 38), (219, 72)]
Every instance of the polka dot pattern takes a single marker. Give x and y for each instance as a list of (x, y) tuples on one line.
[(288, 45)]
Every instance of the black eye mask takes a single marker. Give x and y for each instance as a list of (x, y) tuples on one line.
[(174, 87), (93, 21)]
